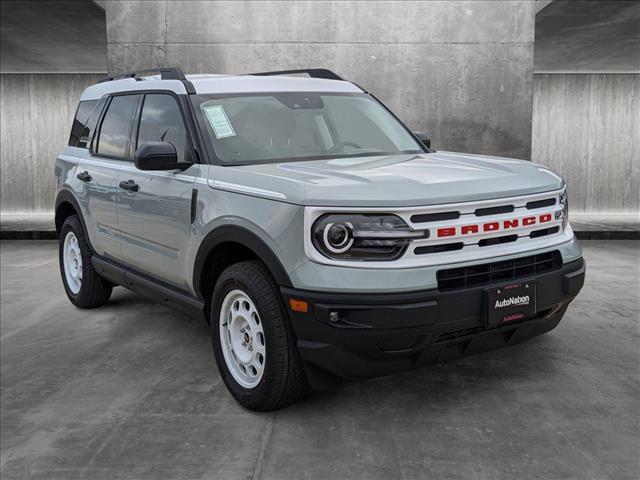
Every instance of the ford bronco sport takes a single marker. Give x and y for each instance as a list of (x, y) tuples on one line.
[(318, 236)]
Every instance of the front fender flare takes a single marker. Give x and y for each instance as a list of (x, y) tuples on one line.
[(245, 237)]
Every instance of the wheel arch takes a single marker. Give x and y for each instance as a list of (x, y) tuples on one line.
[(226, 245), (65, 206)]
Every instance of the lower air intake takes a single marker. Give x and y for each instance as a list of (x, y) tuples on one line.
[(475, 275)]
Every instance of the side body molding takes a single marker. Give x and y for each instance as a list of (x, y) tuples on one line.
[(240, 235)]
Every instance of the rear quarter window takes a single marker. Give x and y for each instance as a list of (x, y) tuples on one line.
[(81, 130)]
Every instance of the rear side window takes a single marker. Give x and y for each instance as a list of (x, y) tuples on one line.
[(80, 130), (161, 121), (115, 131)]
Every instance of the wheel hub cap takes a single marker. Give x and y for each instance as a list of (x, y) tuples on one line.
[(72, 261), (242, 338)]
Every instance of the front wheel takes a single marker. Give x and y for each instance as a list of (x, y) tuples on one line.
[(254, 345), (83, 285)]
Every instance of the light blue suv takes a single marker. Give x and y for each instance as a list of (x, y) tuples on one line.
[(318, 235)]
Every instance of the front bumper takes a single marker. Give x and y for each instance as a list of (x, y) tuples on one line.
[(379, 334)]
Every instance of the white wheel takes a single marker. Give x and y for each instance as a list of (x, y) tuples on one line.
[(84, 287), (246, 314), (242, 338), (72, 260)]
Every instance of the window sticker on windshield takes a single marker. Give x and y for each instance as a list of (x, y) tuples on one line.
[(219, 121)]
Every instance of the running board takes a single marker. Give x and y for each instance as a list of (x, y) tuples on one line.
[(146, 286)]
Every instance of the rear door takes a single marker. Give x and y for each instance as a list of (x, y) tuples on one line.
[(98, 171), (155, 216)]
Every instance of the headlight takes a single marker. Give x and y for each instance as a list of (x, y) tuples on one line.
[(362, 236), (337, 237), (564, 213)]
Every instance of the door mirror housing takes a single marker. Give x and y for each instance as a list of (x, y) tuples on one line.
[(158, 156), (424, 138)]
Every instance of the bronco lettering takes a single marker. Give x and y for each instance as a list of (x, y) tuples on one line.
[(494, 226)]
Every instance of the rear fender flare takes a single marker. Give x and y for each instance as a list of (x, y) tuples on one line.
[(66, 196)]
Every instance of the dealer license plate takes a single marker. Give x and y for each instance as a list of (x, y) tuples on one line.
[(511, 302)]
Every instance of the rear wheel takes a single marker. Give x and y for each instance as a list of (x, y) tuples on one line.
[(84, 287), (253, 343)]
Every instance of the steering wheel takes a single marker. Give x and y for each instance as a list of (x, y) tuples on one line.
[(337, 146)]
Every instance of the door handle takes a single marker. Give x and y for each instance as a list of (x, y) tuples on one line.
[(84, 176), (130, 185)]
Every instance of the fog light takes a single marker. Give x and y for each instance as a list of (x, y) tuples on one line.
[(334, 317)]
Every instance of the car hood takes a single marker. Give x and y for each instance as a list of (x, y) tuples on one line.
[(390, 181)]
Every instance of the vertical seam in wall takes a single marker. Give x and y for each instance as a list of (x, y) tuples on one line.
[(106, 36), (166, 33), (32, 146)]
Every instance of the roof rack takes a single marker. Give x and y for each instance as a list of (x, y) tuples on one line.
[(312, 72), (166, 73)]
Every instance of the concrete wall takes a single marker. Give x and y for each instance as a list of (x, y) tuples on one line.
[(588, 36), (459, 70), (52, 36), (470, 86), (587, 127), (36, 112)]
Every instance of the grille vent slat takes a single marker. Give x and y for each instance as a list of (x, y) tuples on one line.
[(434, 217), (547, 202), (482, 212), (446, 247), (543, 232), (485, 242)]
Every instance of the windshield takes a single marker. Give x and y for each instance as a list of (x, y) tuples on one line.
[(300, 126)]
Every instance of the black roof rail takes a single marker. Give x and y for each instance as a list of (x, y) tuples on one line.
[(166, 73), (312, 72)]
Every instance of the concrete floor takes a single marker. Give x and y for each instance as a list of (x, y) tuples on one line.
[(131, 391)]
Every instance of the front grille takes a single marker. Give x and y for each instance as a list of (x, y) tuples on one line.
[(475, 275)]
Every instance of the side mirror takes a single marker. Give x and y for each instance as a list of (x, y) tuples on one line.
[(158, 156), (424, 138)]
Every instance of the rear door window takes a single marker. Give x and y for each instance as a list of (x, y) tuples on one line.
[(161, 121), (115, 132)]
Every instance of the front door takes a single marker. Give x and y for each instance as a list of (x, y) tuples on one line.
[(154, 208)]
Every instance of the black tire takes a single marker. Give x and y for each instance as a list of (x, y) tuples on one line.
[(94, 291), (283, 381)]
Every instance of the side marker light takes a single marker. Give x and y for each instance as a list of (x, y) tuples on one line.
[(298, 305)]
